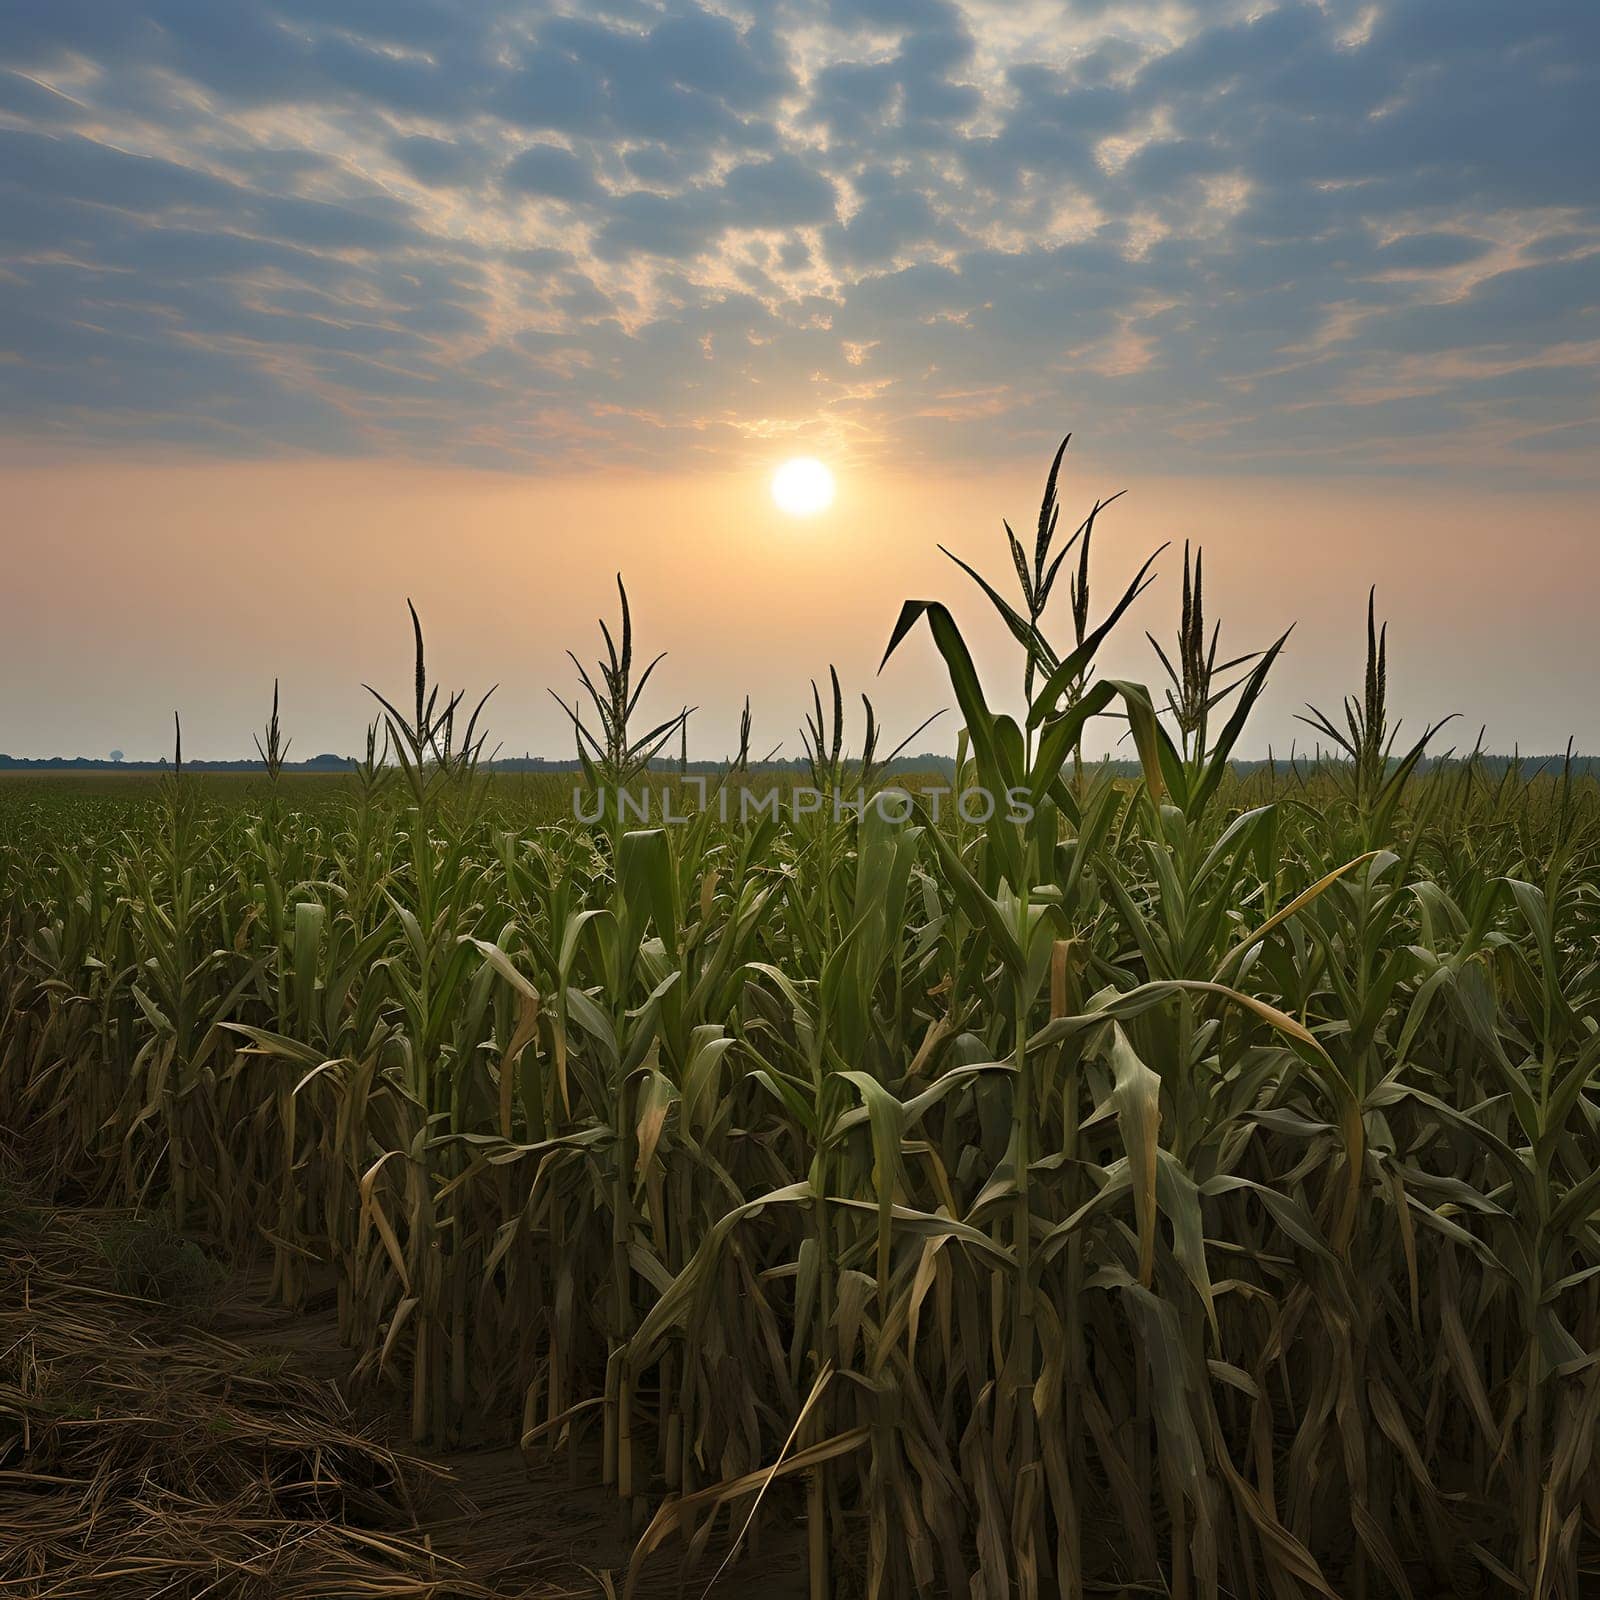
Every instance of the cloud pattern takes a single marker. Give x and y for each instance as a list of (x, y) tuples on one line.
[(1313, 238)]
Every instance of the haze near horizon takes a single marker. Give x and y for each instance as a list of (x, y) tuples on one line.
[(308, 309)]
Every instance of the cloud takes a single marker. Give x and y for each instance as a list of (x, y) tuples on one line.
[(890, 219), (33, 102), (693, 79), (1431, 251), (1318, 237), (551, 171), (442, 162), (780, 193)]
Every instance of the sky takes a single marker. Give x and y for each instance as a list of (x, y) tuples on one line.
[(310, 306)]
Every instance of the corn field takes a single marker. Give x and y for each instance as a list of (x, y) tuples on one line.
[(1188, 1187)]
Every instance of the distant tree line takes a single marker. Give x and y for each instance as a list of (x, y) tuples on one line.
[(1495, 765)]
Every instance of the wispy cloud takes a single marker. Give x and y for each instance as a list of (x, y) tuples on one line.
[(1316, 237)]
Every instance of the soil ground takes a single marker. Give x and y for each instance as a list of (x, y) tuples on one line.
[(164, 1434)]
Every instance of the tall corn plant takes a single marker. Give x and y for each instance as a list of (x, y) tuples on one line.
[(1020, 916), (1375, 777)]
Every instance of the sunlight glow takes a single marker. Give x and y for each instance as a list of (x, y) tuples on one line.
[(802, 487)]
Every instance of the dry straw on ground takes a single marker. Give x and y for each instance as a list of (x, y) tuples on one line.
[(141, 1454)]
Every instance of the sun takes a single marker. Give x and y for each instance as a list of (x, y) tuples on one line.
[(802, 487)]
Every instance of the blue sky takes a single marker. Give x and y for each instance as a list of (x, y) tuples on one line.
[(1264, 239)]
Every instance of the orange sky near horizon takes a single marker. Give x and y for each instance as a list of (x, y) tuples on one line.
[(135, 590)]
